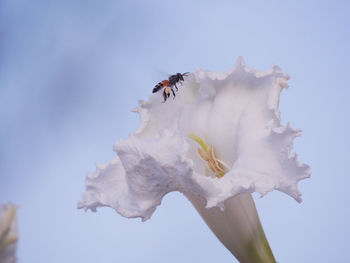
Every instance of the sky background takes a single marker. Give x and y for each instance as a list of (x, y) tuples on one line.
[(71, 71)]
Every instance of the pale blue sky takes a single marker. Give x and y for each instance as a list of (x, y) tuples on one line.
[(70, 71)]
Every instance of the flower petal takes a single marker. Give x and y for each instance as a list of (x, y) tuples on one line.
[(153, 167), (243, 124)]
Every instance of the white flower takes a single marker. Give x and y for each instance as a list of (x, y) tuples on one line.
[(8, 233), (219, 138)]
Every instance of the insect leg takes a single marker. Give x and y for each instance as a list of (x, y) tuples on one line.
[(164, 96)]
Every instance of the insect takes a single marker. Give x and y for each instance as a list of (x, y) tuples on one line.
[(169, 84)]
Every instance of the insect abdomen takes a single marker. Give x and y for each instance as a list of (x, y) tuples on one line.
[(160, 85)]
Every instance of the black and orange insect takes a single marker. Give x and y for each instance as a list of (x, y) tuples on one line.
[(169, 84)]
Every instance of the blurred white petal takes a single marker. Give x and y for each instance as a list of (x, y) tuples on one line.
[(8, 233)]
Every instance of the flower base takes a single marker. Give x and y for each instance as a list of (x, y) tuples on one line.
[(238, 227)]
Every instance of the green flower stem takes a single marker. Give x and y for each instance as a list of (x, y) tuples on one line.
[(238, 227)]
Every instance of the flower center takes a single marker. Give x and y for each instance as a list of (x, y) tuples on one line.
[(208, 155)]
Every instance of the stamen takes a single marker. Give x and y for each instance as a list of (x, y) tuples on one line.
[(203, 155), (208, 155)]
